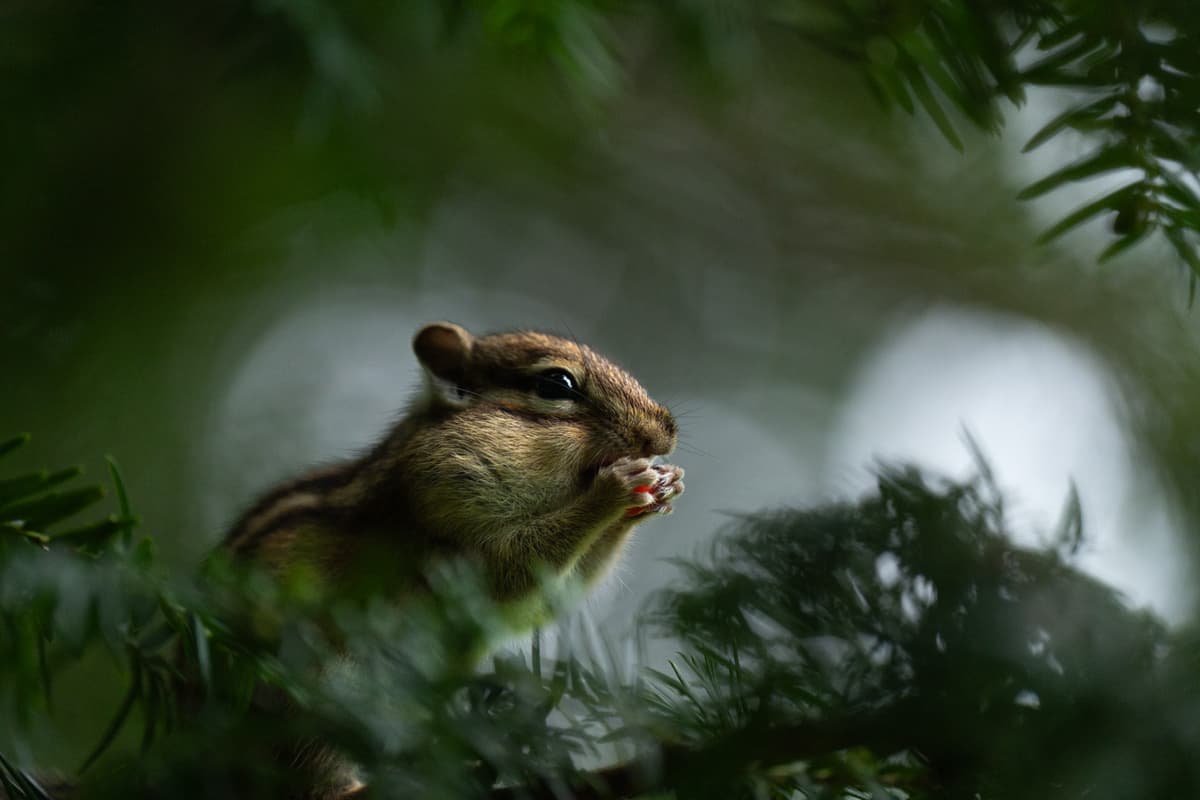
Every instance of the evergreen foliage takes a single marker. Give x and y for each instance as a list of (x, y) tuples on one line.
[(900, 646), (333, 69), (1132, 68)]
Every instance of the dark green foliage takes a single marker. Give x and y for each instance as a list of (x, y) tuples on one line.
[(909, 626), (344, 77), (1133, 67), (900, 646)]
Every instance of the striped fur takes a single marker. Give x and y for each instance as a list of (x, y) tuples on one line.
[(483, 467), (480, 466)]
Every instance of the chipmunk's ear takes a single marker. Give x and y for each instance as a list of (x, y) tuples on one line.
[(444, 350)]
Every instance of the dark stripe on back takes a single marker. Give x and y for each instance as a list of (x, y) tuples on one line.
[(318, 484), (248, 546)]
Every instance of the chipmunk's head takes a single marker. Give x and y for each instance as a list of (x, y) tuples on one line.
[(579, 406)]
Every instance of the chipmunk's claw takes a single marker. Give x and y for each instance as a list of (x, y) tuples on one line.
[(655, 497)]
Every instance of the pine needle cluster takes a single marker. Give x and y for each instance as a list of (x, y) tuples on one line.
[(900, 646)]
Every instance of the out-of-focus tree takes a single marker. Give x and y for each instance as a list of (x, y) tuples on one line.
[(304, 97), (899, 646)]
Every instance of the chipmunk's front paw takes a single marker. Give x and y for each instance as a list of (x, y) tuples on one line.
[(648, 488), (667, 487)]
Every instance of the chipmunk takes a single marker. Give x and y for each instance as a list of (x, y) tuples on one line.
[(525, 453)]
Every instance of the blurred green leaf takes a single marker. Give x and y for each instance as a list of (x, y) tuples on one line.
[(33, 483), (1085, 116), (1185, 249), (1049, 70), (890, 86), (925, 95), (9, 445), (1110, 202), (1069, 533), (95, 535), (20, 785), (122, 497), (1178, 190), (1098, 163), (203, 659), (19, 530), (45, 511), (144, 554), (118, 720)]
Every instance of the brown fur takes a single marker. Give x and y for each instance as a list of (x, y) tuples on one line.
[(479, 467), (504, 477)]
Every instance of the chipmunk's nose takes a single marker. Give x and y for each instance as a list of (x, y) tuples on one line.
[(658, 436)]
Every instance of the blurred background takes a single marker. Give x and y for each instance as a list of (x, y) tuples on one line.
[(220, 225)]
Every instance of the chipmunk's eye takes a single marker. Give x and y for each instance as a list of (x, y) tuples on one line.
[(555, 384)]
